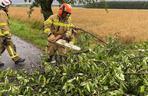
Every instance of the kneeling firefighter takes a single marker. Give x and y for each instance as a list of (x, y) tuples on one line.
[(5, 35), (59, 27)]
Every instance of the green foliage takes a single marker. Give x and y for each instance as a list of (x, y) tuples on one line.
[(47, 4), (113, 70), (119, 4)]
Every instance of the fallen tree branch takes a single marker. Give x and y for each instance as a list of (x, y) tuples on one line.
[(98, 38)]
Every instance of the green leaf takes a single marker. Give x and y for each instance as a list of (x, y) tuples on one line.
[(142, 89)]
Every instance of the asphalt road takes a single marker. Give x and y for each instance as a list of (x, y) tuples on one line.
[(25, 50)]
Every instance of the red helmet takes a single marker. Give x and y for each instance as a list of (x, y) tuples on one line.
[(65, 8)]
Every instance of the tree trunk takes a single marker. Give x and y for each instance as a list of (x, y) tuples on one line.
[(46, 8)]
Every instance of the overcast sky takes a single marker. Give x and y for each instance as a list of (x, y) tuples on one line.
[(18, 1)]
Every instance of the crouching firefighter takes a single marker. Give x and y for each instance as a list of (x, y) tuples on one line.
[(59, 26), (5, 35)]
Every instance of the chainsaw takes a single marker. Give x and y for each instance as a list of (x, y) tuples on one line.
[(68, 45)]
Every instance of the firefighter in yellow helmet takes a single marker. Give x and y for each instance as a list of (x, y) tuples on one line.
[(58, 26), (5, 35)]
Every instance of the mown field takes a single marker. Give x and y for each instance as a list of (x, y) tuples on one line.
[(130, 25)]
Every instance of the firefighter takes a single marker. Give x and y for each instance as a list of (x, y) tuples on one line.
[(5, 35), (58, 26)]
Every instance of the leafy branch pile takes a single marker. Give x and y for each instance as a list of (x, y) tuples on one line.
[(113, 70)]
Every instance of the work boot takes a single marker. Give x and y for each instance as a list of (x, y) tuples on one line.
[(1, 64), (60, 59), (50, 59), (20, 61)]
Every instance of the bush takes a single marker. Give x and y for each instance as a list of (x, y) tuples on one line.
[(120, 5)]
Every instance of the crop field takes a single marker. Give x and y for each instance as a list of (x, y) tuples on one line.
[(129, 25)]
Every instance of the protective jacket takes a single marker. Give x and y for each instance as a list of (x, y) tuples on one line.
[(5, 37), (54, 26)]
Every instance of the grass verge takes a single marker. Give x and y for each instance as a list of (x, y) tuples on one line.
[(28, 32)]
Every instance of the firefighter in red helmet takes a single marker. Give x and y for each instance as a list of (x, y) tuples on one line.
[(59, 27)]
